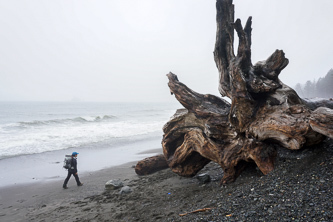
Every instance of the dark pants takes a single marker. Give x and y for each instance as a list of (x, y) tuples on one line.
[(69, 176)]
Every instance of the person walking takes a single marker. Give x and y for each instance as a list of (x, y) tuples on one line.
[(72, 171)]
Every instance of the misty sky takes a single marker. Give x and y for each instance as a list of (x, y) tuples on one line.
[(120, 50)]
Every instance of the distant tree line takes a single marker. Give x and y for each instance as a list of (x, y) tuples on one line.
[(322, 88)]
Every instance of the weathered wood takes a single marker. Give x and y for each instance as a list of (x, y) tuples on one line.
[(263, 113), (321, 121), (151, 165), (224, 51), (195, 211), (316, 103)]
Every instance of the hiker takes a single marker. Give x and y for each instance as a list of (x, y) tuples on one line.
[(72, 170)]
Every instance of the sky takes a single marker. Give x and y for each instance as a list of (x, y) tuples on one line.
[(121, 50)]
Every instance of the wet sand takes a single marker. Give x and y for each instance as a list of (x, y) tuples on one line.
[(299, 189)]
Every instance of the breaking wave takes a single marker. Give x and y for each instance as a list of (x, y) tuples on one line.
[(32, 128), (87, 119)]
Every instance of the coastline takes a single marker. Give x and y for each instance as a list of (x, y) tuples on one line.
[(44, 167), (18, 200), (299, 189)]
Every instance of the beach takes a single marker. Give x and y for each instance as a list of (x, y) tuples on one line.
[(299, 189), (23, 202), (36, 136)]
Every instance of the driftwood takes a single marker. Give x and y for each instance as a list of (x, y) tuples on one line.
[(151, 165), (264, 112), (195, 211)]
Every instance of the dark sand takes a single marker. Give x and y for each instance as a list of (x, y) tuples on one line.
[(299, 189)]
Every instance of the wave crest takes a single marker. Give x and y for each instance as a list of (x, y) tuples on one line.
[(81, 119)]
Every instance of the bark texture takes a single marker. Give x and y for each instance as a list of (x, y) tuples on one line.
[(151, 165), (263, 112)]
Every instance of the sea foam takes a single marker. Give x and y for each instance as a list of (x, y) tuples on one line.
[(50, 127)]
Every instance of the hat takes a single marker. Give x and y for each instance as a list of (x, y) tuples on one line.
[(74, 153)]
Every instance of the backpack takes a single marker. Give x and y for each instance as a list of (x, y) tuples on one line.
[(68, 162)]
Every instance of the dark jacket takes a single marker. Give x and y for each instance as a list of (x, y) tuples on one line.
[(73, 168)]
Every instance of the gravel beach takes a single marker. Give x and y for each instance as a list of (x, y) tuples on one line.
[(299, 189)]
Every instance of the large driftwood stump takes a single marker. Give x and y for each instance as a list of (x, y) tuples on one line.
[(263, 113)]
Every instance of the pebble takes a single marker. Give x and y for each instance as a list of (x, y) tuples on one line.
[(204, 178), (125, 190)]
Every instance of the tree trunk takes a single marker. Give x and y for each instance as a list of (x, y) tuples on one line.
[(263, 113)]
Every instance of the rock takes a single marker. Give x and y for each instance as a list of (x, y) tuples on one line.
[(125, 190), (203, 178), (113, 184)]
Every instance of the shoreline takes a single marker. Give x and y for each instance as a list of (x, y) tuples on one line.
[(150, 152), (43, 167), (17, 200), (298, 189)]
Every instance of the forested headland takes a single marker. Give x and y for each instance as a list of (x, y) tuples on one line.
[(322, 88)]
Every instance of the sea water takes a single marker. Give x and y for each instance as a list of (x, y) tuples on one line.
[(40, 134)]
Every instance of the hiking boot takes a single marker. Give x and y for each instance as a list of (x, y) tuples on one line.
[(79, 185)]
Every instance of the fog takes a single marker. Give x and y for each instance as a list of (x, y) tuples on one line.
[(120, 50)]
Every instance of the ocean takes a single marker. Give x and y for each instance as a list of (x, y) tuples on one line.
[(105, 134)]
